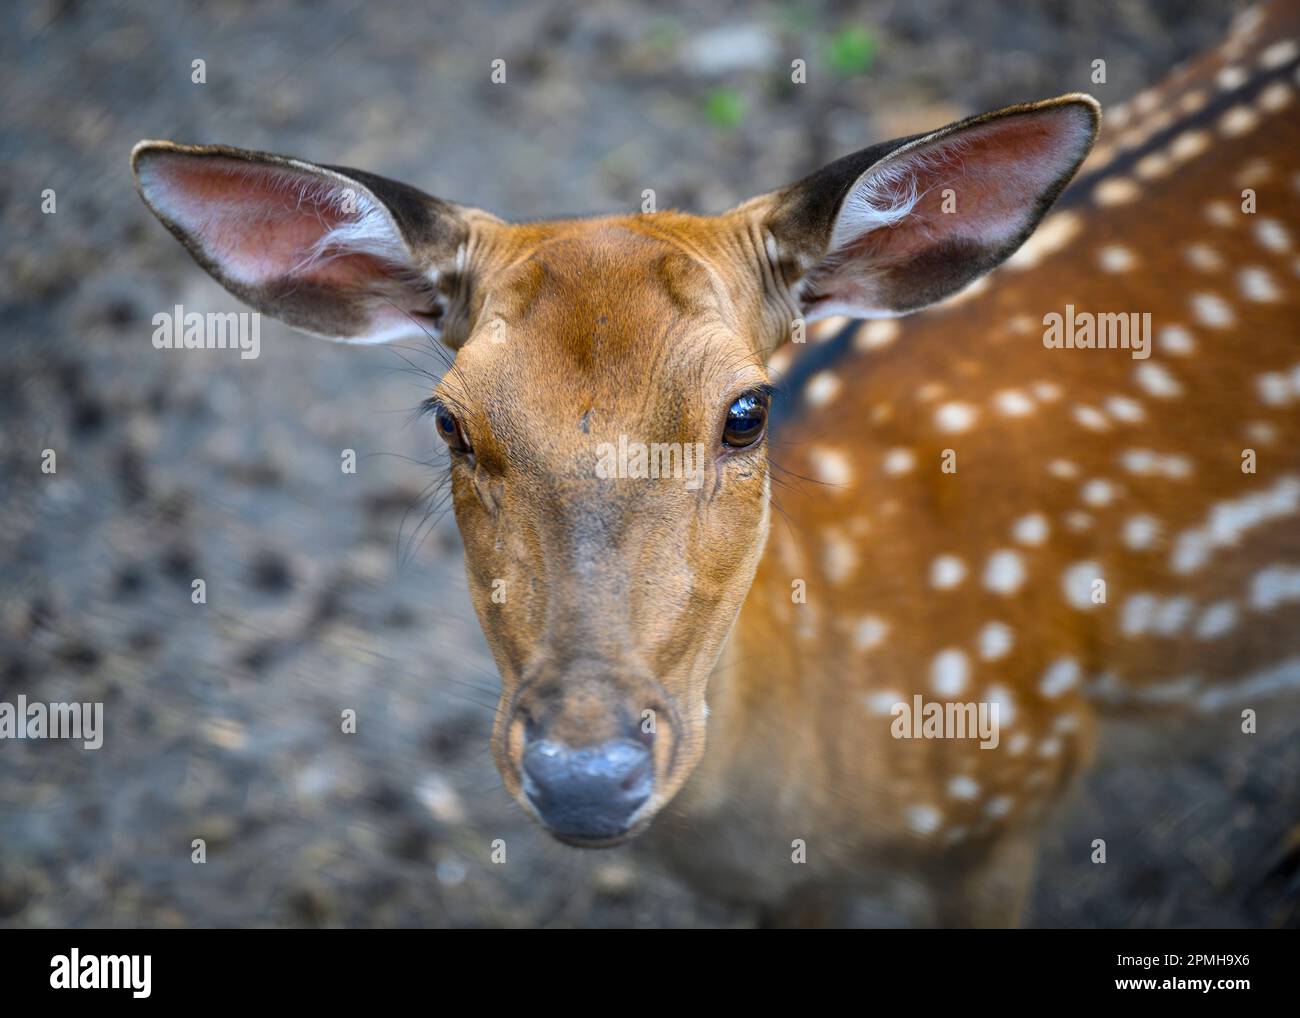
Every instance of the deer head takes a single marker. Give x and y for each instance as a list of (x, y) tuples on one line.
[(606, 408)]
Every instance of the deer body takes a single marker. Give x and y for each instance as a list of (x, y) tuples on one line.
[(965, 517), (1072, 466)]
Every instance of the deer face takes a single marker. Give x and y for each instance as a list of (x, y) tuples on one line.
[(606, 421), (606, 409)]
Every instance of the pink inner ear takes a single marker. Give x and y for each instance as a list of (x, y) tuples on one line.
[(998, 173), (263, 222)]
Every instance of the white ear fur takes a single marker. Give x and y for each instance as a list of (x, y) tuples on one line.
[(925, 217), (881, 197)]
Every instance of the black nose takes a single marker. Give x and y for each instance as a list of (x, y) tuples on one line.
[(587, 794)]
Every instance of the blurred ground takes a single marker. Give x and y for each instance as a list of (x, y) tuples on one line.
[(325, 592)]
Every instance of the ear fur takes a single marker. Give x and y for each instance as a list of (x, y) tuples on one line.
[(904, 224), (337, 252)]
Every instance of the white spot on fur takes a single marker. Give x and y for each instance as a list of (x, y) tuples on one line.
[(830, 466), (924, 819), (1253, 173), (1021, 325), (1013, 403), (870, 632), (1031, 529), (1272, 235), (1231, 77), (1121, 408), (822, 388), (955, 417), (1172, 615), (1000, 806), (1053, 234), (963, 787), (1257, 285), (1147, 463), (1046, 392), (1136, 614), (1006, 703), (1275, 97), (1098, 492), (1220, 213), (1115, 258), (839, 556), (1156, 381), (1218, 619), (1274, 388), (1229, 521), (877, 333), (1212, 310), (1153, 166), (948, 672), (1238, 121), (1090, 418), (882, 702), (995, 641), (1077, 521), (1261, 432), (1061, 676), (947, 571), (1077, 582), (1274, 586), (1244, 690), (898, 461), (1279, 54), (1245, 25), (1204, 258), (1176, 340), (1116, 191), (1140, 532), (1005, 572), (1189, 145)]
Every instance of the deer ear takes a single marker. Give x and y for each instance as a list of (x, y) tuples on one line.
[(901, 225), (336, 252)]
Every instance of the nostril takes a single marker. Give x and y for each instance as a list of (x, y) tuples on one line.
[(638, 775)]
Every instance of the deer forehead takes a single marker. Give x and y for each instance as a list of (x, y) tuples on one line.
[(601, 325), (624, 273)]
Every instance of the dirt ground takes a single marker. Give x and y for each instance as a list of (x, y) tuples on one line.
[(329, 591)]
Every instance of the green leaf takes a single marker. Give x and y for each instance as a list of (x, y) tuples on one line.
[(725, 107), (851, 51)]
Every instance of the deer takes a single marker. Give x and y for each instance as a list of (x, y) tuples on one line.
[(751, 666)]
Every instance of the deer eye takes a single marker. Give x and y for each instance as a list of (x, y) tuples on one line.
[(450, 430), (746, 420)]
